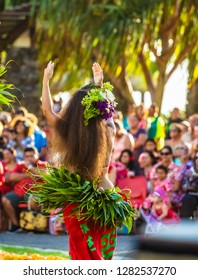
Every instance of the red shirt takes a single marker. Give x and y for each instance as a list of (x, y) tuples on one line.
[(21, 187), (2, 179), (18, 168)]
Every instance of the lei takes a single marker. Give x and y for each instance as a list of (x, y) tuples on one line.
[(109, 208), (99, 102)]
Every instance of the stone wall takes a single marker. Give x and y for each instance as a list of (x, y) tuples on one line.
[(23, 73)]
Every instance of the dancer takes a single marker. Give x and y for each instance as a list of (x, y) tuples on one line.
[(82, 138)]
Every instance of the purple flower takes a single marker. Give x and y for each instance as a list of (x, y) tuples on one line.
[(106, 108)]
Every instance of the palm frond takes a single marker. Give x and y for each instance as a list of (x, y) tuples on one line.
[(6, 98), (60, 188)]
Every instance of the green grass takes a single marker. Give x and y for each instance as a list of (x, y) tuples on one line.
[(29, 251)]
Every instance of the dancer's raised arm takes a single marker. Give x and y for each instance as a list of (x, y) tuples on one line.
[(97, 74), (98, 79), (47, 103)]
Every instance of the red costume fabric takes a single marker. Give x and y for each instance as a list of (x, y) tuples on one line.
[(88, 241), (171, 217)]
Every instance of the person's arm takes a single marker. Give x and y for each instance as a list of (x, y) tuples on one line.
[(97, 74), (152, 184), (129, 142), (164, 212), (98, 79), (139, 142), (16, 177), (47, 103)]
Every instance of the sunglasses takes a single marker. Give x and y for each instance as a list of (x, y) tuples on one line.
[(165, 154)]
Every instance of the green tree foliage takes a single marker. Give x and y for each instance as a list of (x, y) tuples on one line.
[(6, 98), (129, 38)]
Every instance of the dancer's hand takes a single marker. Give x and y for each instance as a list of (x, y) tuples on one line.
[(49, 70), (97, 74)]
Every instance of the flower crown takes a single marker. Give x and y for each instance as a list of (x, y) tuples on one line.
[(99, 101)]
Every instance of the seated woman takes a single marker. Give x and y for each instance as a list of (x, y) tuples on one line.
[(190, 187), (126, 158), (23, 136), (146, 162), (122, 168), (13, 170)]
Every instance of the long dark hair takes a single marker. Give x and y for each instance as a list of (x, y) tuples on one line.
[(82, 148), (131, 163)]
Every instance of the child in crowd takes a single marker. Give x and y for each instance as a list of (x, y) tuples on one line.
[(162, 182), (160, 210)]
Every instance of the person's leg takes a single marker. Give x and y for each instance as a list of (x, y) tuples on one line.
[(189, 204), (10, 202)]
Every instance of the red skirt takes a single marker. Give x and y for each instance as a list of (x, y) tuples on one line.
[(87, 241)]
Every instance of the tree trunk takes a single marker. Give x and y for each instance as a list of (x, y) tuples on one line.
[(123, 95), (192, 100), (159, 91), (122, 91)]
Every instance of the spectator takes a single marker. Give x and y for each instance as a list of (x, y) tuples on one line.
[(186, 131), (123, 140), (193, 120), (194, 142), (13, 171), (162, 182), (175, 137), (8, 133), (122, 168), (2, 179), (190, 198), (175, 117), (156, 126), (117, 171), (21, 111), (117, 115), (40, 139), (141, 113), (185, 163), (139, 135), (161, 210), (150, 145), (2, 146), (131, 110), (1, 127), (23, 135), (166, 159), (11, 200), (5, 118), (146, 162), (126, 158)]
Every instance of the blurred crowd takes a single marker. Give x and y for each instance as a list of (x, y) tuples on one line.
[(163, 151)]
